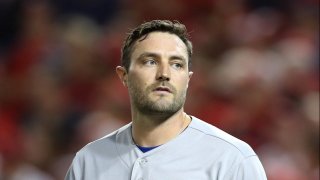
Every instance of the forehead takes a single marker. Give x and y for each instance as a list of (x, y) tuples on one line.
[(161, 43)]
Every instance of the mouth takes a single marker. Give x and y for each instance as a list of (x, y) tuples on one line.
[(162, 89)]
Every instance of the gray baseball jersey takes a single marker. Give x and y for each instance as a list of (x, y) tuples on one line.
[(200, 152)]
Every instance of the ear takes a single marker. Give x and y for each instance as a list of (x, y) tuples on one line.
[(122, 73), (190, 74)]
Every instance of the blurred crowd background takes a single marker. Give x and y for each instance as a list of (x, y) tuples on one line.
[(256, 76)]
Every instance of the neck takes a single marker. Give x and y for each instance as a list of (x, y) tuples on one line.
[(150, 131)]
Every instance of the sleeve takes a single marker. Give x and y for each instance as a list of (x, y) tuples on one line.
[(249, 168), (74, 172)]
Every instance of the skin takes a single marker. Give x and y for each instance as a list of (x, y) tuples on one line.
[(157, 82)]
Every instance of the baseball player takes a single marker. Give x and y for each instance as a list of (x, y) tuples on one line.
[(163, 142)]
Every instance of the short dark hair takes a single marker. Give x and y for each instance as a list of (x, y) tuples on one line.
[(172, 27)]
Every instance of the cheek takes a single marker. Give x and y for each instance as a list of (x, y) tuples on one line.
[(184, 79), (138, 80), (182, 84)]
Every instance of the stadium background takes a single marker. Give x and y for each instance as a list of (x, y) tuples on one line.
[(256, 65)]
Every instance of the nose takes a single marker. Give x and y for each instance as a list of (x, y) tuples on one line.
[(163, 73)]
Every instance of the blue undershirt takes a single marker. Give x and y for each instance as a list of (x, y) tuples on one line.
[(146, 149)]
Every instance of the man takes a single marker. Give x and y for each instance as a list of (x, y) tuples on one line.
[(162, 142)]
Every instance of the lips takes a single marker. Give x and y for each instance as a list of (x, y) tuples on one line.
[(163, 88)]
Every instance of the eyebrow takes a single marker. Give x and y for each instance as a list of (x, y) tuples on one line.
[(148, 54), (178, 58)]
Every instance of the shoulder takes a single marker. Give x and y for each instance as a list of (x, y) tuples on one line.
[(97, 157), (216, 135), (105, 144)]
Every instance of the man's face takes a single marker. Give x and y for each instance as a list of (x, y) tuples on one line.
[(158, 76)]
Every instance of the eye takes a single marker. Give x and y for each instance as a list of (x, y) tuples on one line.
[(177, 65), (150, 62)]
